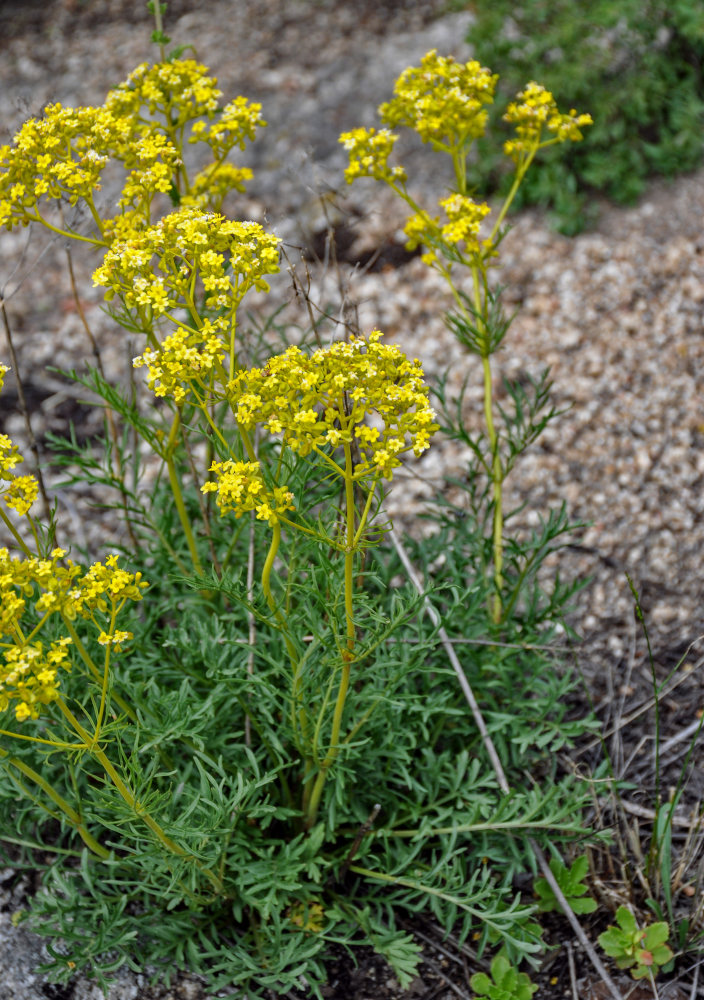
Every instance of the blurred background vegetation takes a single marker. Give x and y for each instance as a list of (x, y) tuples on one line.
[(635, 65)]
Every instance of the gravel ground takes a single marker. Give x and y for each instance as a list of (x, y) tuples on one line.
[(616, 313)]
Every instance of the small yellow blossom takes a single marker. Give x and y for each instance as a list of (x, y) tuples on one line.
[(29, 676), (182, 359), (464, 221), (237, 122), (59, 156), (210, 186), (17, 492), (115, 639), (308, 916), (30, 670), (465, 217), (152, 161), (369, 150), (240, 487), (21, 494), (179, 88), (106, 582)]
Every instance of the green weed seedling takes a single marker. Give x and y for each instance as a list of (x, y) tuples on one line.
[(506, 983), (640, 949), (571, 884)]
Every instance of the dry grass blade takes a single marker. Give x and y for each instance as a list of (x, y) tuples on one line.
[(647, 705)]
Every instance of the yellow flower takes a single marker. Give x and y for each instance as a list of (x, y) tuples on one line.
[(115, 639), (442, 100), (18, 492), (237, 122), (183, 358), (105, 582), (240, 487), (179, 88), (536, 112), (326, 399), (29, 676), (369, 150), (230, 258), (60, 156), (210, 186), (30, 671)]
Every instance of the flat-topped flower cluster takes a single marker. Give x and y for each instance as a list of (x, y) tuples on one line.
[(358, 391)]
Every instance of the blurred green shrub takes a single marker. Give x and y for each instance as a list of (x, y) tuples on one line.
[(637, 64)]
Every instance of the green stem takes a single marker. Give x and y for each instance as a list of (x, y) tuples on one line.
[(84, 655), (497, 472), (178, 495), (68, 810), (497, 484), (299, 717), (517, 181), (69, 234), (104, 685), (15, 534), (159, 29), (347, 654), (128, 796)]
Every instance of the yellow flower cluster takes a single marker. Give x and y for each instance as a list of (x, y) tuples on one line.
[(115, 640), (238, 121), (464, 220), (535, 112), (326, 399), (240, 487), (157, 267), (17, 492), (369, 150), (180, 89), (211, 184), (151, 161), (105, 582), (184, 357), (442, 100), (29, 674), (61, 155)]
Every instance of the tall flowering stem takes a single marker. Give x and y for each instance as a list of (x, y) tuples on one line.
[(319, 405), (312, 803), (444, 102)]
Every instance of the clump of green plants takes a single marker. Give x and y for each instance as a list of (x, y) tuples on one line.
[(506, 983), (643, 950), (570, 881), (236, 734), (638, 62)]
